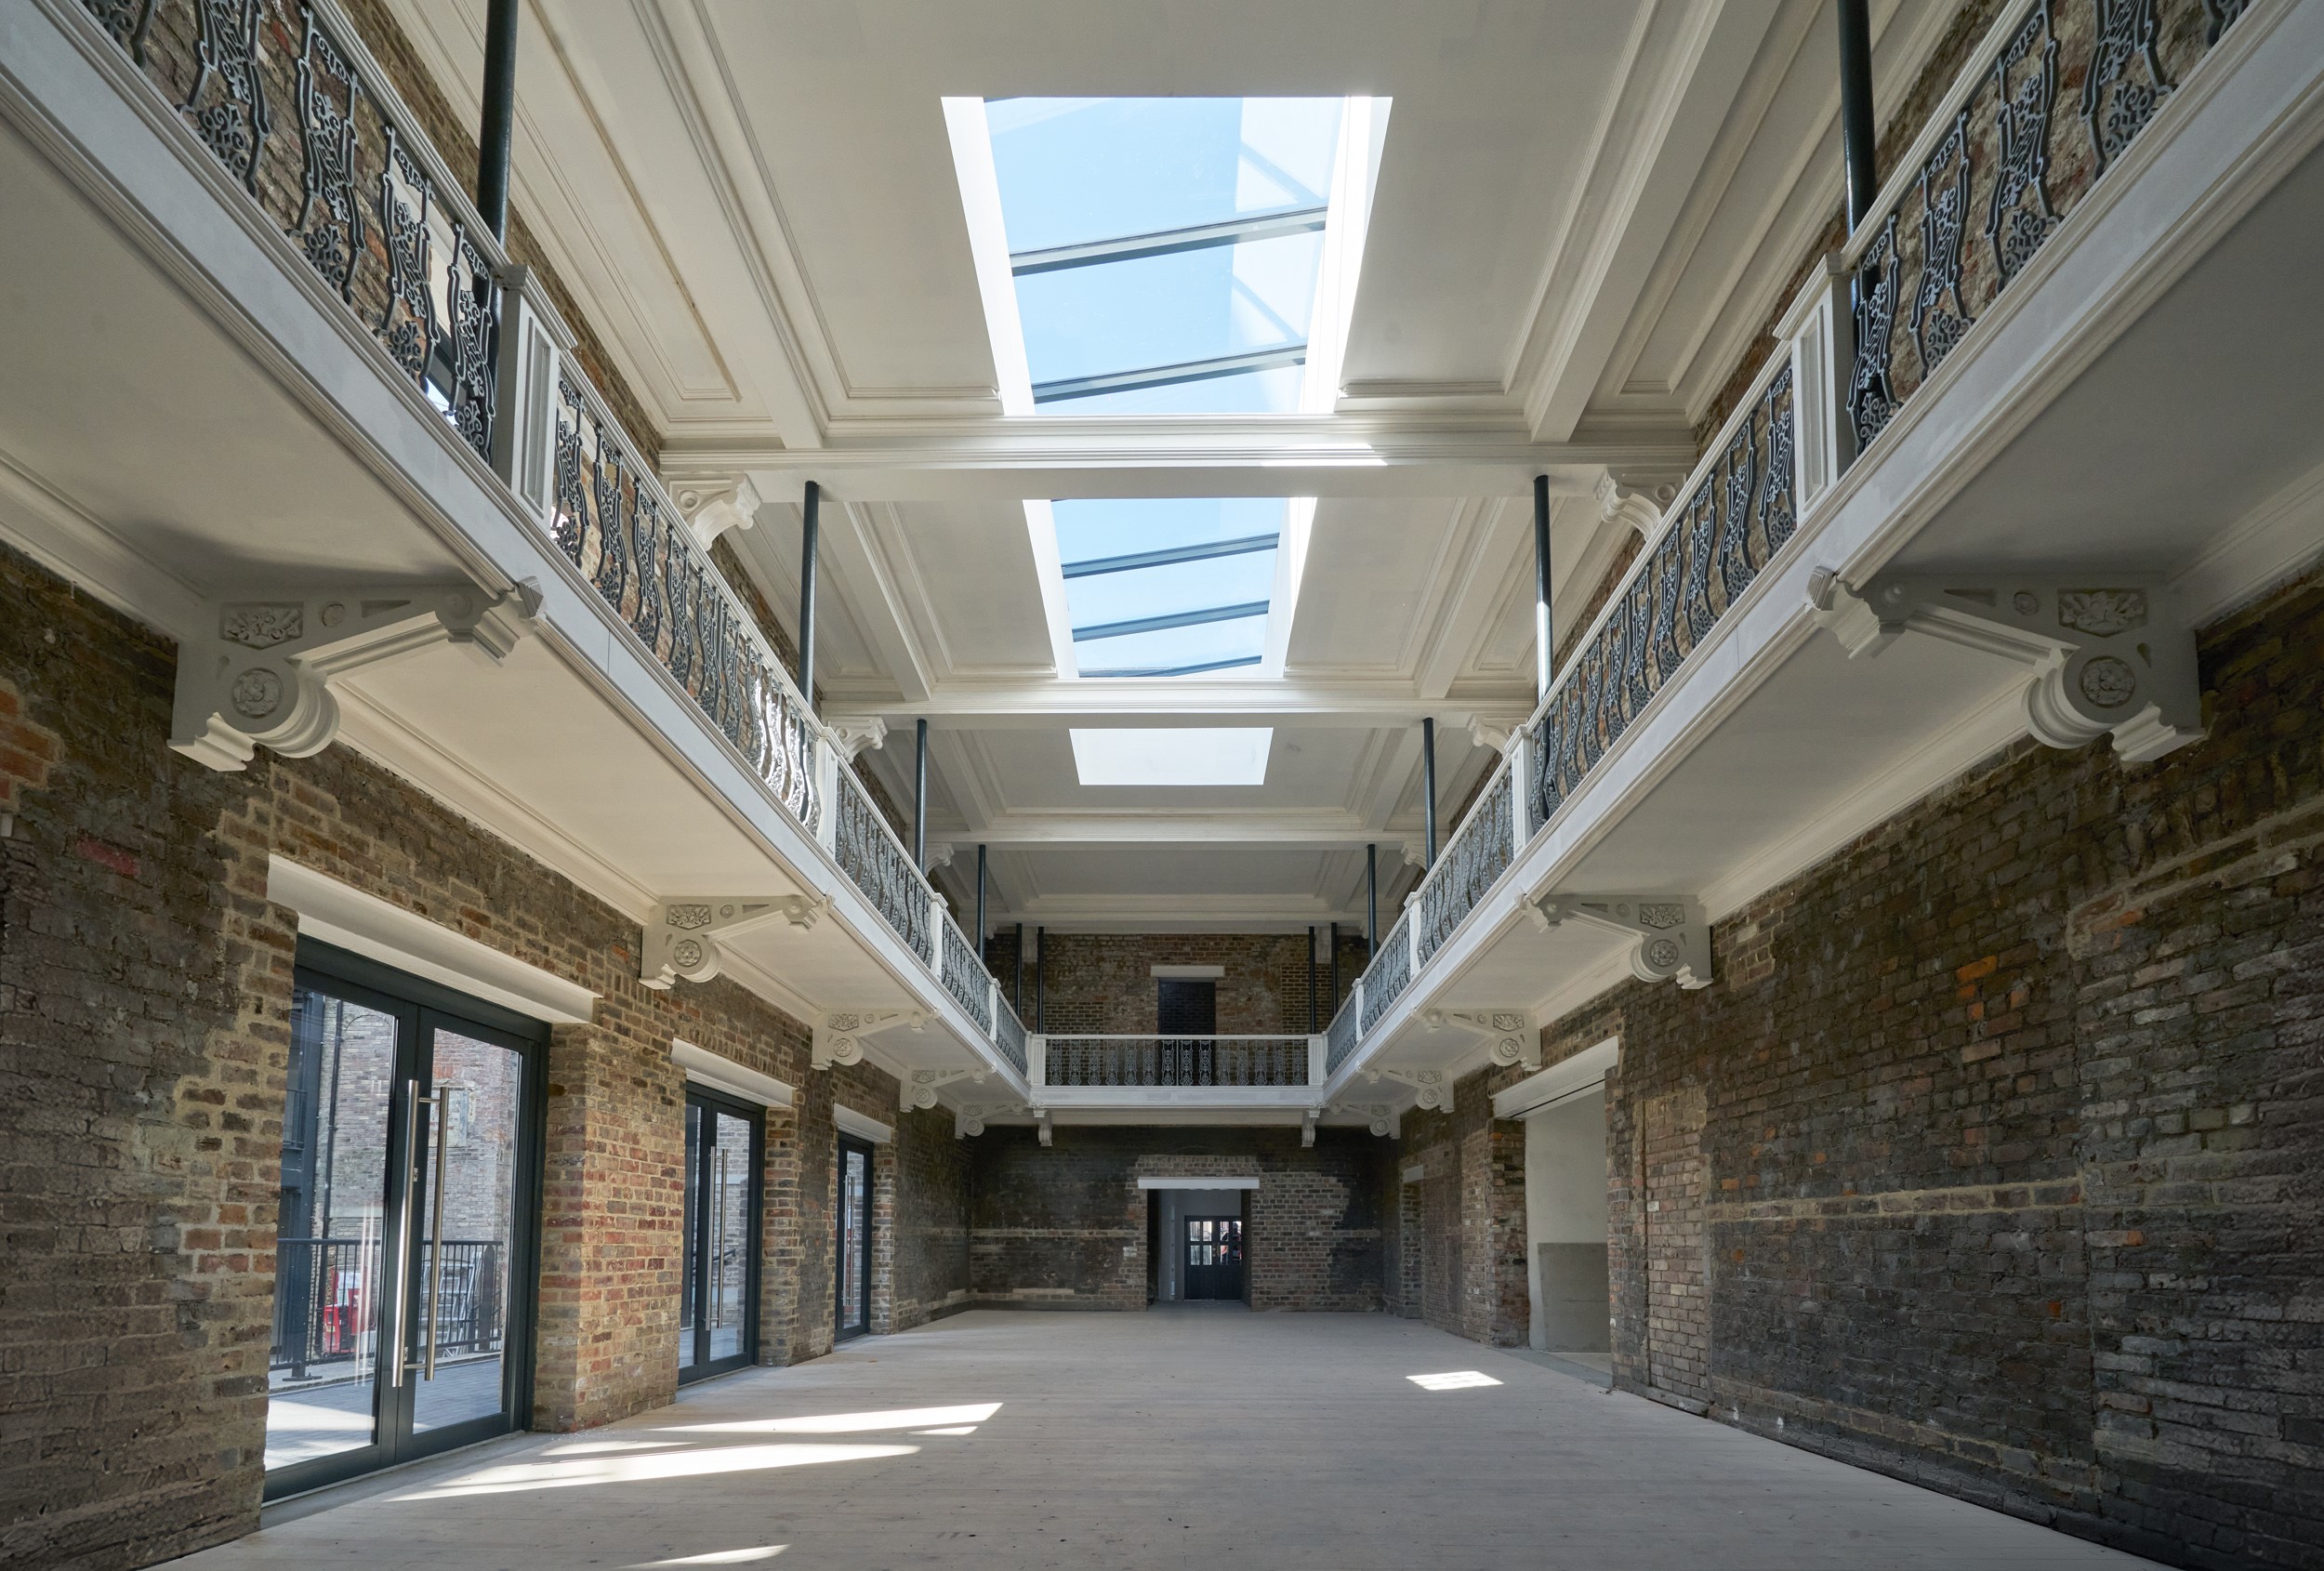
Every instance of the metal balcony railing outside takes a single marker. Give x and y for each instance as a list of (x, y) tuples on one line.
[(327, 1287)]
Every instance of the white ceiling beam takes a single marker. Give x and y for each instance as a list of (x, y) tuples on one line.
[(1335, 831), (1462, 618), (1045, 702)]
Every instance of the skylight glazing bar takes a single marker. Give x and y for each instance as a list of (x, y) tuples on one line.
[(1204, 552), (1168, 242), (1239, 660), (1169, 376), (1175, 619)]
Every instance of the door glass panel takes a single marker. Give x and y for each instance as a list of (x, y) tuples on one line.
[(854, 1237), (728, 1248), (323, 1366), (462, 1290), (689, 1289)]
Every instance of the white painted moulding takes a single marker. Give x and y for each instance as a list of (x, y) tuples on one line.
[(863, 1127), (708, 1068), (1190, 974), (1198, 1182), (1560, 1080), (337, 912)]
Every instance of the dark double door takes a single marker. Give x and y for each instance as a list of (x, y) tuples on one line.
[(718, 1309), (1214, 1257), (854, 1255), (1186, 1019), (405, 1247)]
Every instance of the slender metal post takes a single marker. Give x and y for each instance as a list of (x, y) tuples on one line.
[(1334, 940), (980, 902), (1041, 981), (1371, 901), (1428, 781), (1544, 643), (1312, 1026), (1016, 976), (1856, 132), (810, 529), (919, 797), (498, 132)]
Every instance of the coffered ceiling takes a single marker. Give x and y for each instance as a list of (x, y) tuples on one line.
[(1584, 211)]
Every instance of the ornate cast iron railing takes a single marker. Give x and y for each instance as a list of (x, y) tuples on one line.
[(2052, 99), (1479, 852), (876, 862), (1008, 1031), (1344, 1034), (1176, 1061), (964, 975), (292, 108), (1390, 973)]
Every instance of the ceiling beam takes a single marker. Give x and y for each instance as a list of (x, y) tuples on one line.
[(1045, 702)]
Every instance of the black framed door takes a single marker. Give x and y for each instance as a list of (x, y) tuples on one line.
[(1186, 1017), (1214, 1257), (853, 1263), (718, 1316), (407, 1244)]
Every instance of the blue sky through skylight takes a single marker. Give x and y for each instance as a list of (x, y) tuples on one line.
[(1227, 549), (1084, 172)]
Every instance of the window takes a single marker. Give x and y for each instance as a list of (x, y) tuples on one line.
[(1168, 586)]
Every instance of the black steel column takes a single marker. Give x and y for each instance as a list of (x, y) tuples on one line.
[(980, 902), (1016, 975), (1371, 901), (1856, 132), (498, 132), (811, 527), (1041, 980), (1335, 968), (1428, 781), (1312, 1026), (919, 797), (1544, 643)]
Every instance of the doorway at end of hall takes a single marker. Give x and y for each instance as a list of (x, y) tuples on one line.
[(1197, 1245)]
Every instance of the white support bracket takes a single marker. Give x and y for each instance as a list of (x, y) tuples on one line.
[(681, 937), (919, 1089), (1673, 940), (713, 507), (2117, 658), (1511, 1031), (838, 1036), (266, 679), (1046, 1128), (1307, 1126), (967, 1119), (1430, 1091), (1386, 1121)]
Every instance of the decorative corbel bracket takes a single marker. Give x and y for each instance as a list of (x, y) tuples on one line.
[(1430, 1091), (1307, 1126), (1511, 1031), (1673, 940), (967, 1119), (266, 679), (858, 734), (2116, 659), (838, 1037), (713, 507), (919, 1089), (681, 937), (1046, 1128), (1385, 1119), (1636, 497)]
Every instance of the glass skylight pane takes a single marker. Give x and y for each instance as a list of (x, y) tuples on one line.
[(1080, 169), (1096, 527), (1166, 311), (1273, 391), (1207, 644), (1163, 591), (1177, 756)]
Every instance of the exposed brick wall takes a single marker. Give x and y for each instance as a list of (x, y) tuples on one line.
[(1064, 1226), (1988, 1159), (1103, 982), (931, 1227), (145, 988), (1466, 1254)]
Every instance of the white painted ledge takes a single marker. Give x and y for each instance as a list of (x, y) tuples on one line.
[(1535, 1093), (863, 1127), (1198, 1182), (338, 913), (707, 1068)]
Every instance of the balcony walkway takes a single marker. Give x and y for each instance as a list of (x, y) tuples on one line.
[(1183, 1438)]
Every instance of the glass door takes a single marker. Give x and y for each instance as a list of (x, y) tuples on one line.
[(718, 1300), (854, 1241), (404, 1248)]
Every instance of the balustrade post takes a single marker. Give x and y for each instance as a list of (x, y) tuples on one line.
[(1521, 824), (1412, 938), (1318, 1058), (1036, 1059), (1819, 330), (524, 429), (827, 768)]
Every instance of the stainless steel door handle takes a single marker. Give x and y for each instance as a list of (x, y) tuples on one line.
[(441, 1104)]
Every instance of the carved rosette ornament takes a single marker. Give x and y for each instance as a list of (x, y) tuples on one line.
[(681, 937), (1673, 940), (266, 679), (1432, 1092), (2106, 657), (919, 1090), (838, 1036), (1510, 1034)]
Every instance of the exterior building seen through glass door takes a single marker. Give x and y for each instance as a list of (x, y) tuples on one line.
[(405, 1240), (853, 1263), (719, 1314)]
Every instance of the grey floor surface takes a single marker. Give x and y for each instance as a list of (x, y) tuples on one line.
[(1192, 1438)]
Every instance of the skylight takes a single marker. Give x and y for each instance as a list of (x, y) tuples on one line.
[(1167, 587), (1167, 256), (1177, 756)]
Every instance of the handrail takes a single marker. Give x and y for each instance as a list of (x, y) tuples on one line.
[(1162, 1060)]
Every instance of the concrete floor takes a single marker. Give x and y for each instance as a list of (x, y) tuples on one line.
[(1197, 1437)]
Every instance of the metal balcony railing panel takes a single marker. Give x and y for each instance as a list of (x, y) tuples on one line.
[(327, 1299), (964, 975), (1132, 1060), (1345, 1033), (293, 108), (1008, 1034), (1390, 972), (877, 864), (1477, 856), (2050, 101)]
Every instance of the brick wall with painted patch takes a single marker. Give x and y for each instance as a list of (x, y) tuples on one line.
[(1989, 1158), (1063, 1226), (1105, 983), (1463, 1259), (145, 987)]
